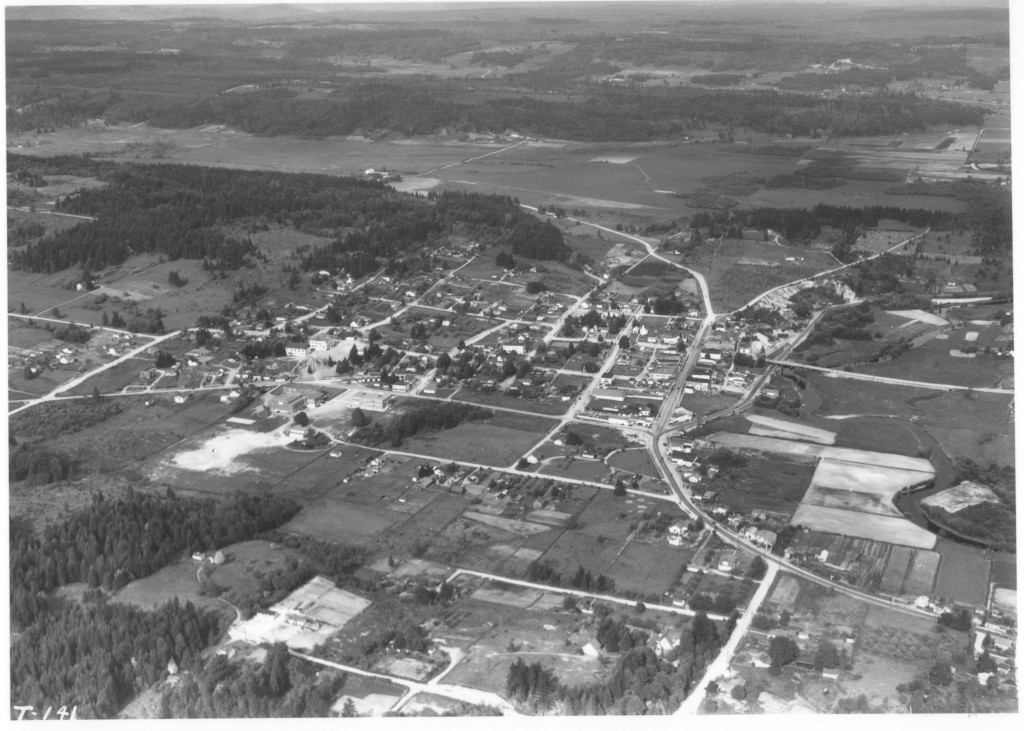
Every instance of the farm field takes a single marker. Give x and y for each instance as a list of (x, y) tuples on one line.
[(499, 441), (862, 525), (933, 363), (552, 637), (240, 573), (963, 573), (548, 407), (974, 425), (776, 483), (737, 271), (635, 461)]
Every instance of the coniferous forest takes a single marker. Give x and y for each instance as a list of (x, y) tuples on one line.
[(100, 655), (181, 211)]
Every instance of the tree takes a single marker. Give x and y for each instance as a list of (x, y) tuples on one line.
[(624, 342), (738, 692), (620, 488), (573, 439), (175, 279), (535, 287), (301, 419), (164, 359), (940, 673), (827, 656), (55, 312), (95, 393), (349, 709), (359, 418), (782, 650)]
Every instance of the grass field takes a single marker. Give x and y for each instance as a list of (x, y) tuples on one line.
[(577, 469), (963, 573), (499, 441), (764, 483), (734, 279), (975, 425), (932, 363), (634, 461), (550, 407)]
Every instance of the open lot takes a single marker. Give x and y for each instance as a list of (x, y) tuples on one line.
[(963, 573), (499, 441), (739, 270), (974, 425), (863, 525), (769, 482), (245, 563)]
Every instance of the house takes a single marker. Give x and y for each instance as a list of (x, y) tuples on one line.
[(294, 351)]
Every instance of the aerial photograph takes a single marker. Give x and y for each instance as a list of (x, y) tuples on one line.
[(519, 359)]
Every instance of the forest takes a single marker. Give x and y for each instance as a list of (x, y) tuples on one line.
[(281, 686), (54, 418), (39, 465), (99, 656), (181, 211), (425, 105), (409, 423), (114, 541)]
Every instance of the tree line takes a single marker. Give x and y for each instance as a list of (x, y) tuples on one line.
[(99, 656), (641, 682), (114, 541), (281, 686), (435, 417)]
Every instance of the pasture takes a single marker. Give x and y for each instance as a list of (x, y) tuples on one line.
[(963, 573), (498, 441), (765, 482), (862, 525)]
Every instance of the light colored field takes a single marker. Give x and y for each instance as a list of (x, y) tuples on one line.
[(858, 477), (518, 527), (548, 517), (414, 185), (863, 525), (920, 316), (419, 567), (406, 667), (788, 430), (962, 496), (304, 619), (521, 598), (375, 704), (221, 452), (615, 159), (786, 590), (843, 454)]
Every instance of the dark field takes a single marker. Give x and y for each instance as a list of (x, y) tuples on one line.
[(773, 484)]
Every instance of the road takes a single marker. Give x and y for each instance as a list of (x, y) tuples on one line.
[(836, 373), (828, 272), (458, 692), (463, 162), (578, 593), (86, 376), (691, 704)]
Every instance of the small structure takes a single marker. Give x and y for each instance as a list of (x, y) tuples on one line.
[(218, 558)]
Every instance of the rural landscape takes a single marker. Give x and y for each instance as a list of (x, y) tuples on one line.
[(520, 360)]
